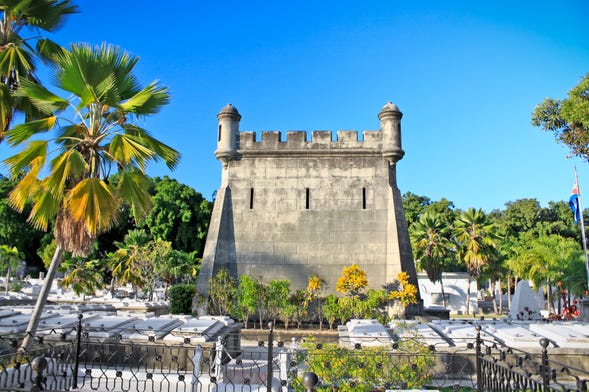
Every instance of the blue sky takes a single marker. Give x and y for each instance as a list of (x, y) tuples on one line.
[(466, 75)]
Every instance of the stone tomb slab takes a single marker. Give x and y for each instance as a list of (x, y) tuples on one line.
[(366, 333), (61, 323), (153, 327), (513, 335), (197, 330), (409, 329), (107, 326), (18, 322), (8, 313), (460, 332), (562, 334)]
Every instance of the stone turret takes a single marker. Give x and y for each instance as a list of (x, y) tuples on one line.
[(390, 126), (228, 119)]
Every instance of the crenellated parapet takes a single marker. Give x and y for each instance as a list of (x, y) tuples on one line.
[(386, 142), (319, 142)]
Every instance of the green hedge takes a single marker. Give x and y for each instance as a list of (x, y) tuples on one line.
[(180, 296)]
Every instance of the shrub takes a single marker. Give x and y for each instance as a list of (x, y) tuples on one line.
[(407, 365), (181, 298)]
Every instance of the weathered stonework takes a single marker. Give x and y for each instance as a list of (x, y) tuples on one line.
[(290, 209)]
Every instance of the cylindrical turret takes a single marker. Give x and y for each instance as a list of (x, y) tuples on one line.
[(227, 138), (390, 126)]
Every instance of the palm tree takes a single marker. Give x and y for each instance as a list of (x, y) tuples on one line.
[(10, 259), (129, 262), (94, 135), (551, 258), (84, 277), (17, 53), (429, 237), (476, 235)]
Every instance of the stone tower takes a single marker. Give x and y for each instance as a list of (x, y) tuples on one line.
[(290, 209)]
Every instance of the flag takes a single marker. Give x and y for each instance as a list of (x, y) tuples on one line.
[(574, 203)]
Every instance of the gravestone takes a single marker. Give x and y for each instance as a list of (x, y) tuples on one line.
[(524, 305)]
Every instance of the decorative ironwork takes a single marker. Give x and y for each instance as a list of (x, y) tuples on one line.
[(76, 358)]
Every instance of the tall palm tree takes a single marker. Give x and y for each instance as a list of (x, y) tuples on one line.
[(82, 276), (17, 52), (94, 134), (10, 259), (476, 237), (128, 263), (431, 244)]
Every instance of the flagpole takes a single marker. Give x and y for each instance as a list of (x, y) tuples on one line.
[(582, 226)]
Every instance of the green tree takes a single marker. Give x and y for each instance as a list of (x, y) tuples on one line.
[(181, 298), (84, 277), (17, 54), (414, 206), (331, 309), (179, 267), (10, 259), (94, 135), (248, 290), (548, 259), (432, 246), (277, 296), (14, 229), (295, 309), (179, 215), (567, 118), (131, 264), (223, 293), (476, 236)]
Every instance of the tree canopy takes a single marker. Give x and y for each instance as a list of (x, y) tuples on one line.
[(180, 215), (567, 118)]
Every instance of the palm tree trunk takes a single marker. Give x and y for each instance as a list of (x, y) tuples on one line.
[(548, 299), (500, 299), (493, 288), (42, 299), (468, 297), (443, 293)]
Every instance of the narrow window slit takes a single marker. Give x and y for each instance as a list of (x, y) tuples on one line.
[(251, 198), (363, 198), (219, 136), (307, 201)]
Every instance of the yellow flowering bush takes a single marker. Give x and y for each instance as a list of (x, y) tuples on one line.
[(353, 280), (407, 292)]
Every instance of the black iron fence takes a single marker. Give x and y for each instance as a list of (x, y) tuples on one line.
[(92, 360)]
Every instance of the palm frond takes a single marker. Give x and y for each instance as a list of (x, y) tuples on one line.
[(147, 101), (15, 58), (92, 202), (170, 156), (24, 132), (126, 149), (32, 156), (132, 189), (27, 186), (49, 50), (67, 166), (44, 210), (41, 97)]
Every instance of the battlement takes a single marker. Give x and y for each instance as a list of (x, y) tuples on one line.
[(320, 140), (232, 144)]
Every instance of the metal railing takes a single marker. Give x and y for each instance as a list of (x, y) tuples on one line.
[(75, 359)]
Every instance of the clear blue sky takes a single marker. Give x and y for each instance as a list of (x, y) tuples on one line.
[(466, 75)]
